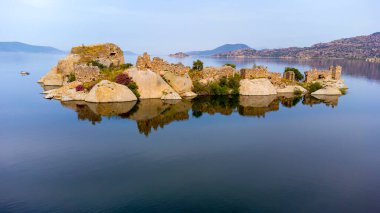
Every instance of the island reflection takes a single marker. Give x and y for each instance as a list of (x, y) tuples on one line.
[(152, 114)]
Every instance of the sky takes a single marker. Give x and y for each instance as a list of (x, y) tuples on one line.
[(169, 26)]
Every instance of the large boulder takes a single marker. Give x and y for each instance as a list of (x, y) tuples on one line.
[(261, 86), (109, 92), (328, 91), (292, 89), (181, 84), (52, 78), (151, 85), (66, 93)]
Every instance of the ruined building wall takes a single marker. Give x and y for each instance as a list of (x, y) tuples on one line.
[(290, 75), (314, 74), (217, 72), (160, 66), (261, 72), (84, 73)]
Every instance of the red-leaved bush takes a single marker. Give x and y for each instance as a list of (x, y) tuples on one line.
[(79, 88), (123, 79)]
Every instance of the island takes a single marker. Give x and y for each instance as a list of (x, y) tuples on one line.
[(98, 74), (179, 55)]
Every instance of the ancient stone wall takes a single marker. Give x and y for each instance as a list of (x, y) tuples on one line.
[(314, 74), (84, 73), (143, 62), (290, 75), (256, 72), (160, 66), (217, 72), (261, 72), (107, 54)]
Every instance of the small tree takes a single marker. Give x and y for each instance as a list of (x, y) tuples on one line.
[(198, 65), (231, 65), (298, 74)]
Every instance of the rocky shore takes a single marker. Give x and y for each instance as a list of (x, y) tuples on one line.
[(98, 74)]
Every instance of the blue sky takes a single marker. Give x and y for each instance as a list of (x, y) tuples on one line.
[(169, 26)]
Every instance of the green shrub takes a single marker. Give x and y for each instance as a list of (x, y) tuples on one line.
[(97, 64), (343, 91), (231, 65), (126, 66), (71, 77), (134, 88), (223, 86), (298, 74), (312, 87), (198, 65), (297, 92)]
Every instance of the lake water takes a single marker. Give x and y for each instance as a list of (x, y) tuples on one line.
[(258, 154)]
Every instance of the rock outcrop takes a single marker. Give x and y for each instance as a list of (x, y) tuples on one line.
[(328, 91), (52, 78), (181, 84), (292, 89), (261, 86), (108, 92), (79, 60), (151, 85), (66, 93)]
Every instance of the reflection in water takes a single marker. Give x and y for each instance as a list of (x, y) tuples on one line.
[(328, 100), (257, 106), (152, 114)]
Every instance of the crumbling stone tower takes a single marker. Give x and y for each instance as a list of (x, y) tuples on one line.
[(336, 72)]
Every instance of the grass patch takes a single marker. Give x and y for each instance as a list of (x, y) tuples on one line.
[(71, 77), (312, 87), (343, 91)]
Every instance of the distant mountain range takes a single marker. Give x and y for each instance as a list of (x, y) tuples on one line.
[(129, 53), (360, 47), (27, 48), (222, 49)]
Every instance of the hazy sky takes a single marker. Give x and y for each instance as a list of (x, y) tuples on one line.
[(166, 26)]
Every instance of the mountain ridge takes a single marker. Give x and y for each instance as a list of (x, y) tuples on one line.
[(218, 50), (15, 46), (359, 47)]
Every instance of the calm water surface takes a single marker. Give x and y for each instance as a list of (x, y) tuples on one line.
[(261, 154)]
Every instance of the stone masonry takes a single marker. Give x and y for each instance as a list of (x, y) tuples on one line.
[(260, 72), (160, 66), (314, 74), (290, 75), (84, 73)]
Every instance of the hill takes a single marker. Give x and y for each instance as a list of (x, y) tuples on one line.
[(360, 47), (21, 47), (222, 49)]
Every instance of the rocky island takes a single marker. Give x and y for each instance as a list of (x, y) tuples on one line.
[(98, 74), (179, 55)]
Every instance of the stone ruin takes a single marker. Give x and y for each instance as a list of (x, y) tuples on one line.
[(160, 66), (78, 61), (260, 72), (84, 73), (314, 74), (107, 54), (217, 72), (289, 75)]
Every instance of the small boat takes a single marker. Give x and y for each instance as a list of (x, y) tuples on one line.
[(23, 73)]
